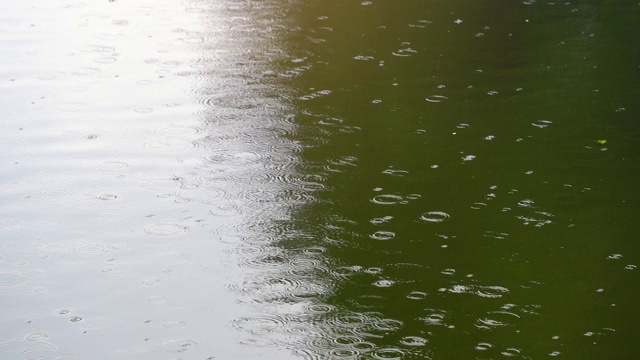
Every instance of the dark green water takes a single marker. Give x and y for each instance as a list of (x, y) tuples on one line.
[(321, 180)]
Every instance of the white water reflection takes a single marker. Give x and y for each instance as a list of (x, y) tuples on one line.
[(147, 183)]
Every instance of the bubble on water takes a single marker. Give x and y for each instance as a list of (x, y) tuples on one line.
[(492, 93), (614, 257), (468, 157), (541, 124), (554, 353), (434, 216), (75, 319), (180, 346), (165, 229), (383, 235), (630, 267), (436, 98), (489, 137)]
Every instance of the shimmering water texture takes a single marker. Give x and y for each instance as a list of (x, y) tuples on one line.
[(314, 179)]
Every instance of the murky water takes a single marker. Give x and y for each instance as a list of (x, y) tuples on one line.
[(319, 180)]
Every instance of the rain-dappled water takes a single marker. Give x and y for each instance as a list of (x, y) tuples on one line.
[(319, 179)]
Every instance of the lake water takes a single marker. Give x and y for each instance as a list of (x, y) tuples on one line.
[(319, 179)]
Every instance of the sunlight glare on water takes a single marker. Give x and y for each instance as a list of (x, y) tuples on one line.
[(308, 179)]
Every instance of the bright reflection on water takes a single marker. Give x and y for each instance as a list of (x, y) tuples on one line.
[(319, 180)]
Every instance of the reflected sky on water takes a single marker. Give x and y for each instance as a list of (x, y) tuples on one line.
[(319, 180)]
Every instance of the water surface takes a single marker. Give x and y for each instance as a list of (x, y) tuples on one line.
[(319, 180)]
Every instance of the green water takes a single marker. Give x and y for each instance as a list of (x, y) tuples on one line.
[(467, 198), (320, 180)]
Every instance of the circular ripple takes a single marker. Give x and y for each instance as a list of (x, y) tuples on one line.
[(57, 194), (10, 224), (387, 199), (11, 279), (36, 336), (180, 345), (434, 216), (319, 308), (260, 325), (436, 98), (163, 184), (541, 123), (165, 229), (178, 131), (413, 341), (511, 352), (8, 145), (113, 166), (170, 145), (226, 210), (387, 353), (483, 346), (417, 295), (106, 196), (382, 235)]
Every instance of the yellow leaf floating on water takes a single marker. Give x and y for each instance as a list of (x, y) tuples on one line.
[(601, 142)]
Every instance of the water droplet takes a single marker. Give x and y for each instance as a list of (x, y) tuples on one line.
[(165, 229)]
